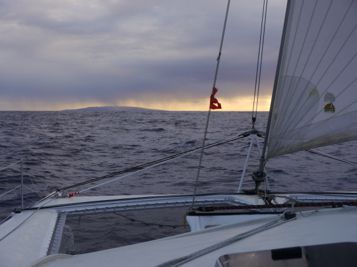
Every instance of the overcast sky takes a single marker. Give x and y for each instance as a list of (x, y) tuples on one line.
[(59, 54)]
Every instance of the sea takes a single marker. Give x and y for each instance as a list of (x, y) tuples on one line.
[(51, 150)]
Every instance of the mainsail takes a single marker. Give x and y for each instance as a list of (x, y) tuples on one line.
[(315, 98)]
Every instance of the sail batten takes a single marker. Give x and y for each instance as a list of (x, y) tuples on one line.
[(316, 91)]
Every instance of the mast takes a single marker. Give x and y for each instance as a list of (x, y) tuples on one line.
[(259, 175)]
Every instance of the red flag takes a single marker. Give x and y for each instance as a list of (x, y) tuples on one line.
[(214, 104)]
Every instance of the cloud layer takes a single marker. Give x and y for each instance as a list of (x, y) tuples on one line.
[(58, 52)]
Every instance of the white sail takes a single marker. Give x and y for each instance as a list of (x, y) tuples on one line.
[(315, 101)]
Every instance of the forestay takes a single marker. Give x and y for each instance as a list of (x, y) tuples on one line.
[(316, 88)]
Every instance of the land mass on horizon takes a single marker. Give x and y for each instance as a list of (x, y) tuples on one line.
[(109, 108)]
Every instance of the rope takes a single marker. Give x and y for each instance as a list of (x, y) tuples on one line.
[(209, 106), (49, 196), (259, 63), (148, 164), (120, 177)]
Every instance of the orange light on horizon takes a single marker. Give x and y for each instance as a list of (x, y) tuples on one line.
[(228, 104)]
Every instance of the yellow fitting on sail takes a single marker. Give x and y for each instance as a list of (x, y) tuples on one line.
[(329, 107)]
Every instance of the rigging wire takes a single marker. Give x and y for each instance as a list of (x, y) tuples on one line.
[(10, 165), (209, 106), (261, 60), (135, 169), (259, 63), (8, 192), (283, 40)]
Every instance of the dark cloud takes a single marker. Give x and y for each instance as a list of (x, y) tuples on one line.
[(105, 49)]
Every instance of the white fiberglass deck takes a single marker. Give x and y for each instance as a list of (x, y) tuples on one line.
[(26, 237), (309, 228)]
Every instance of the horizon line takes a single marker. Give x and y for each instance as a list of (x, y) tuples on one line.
[(125, 107)]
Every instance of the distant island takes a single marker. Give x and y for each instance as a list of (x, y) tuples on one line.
[(109, 108), (126, 108)]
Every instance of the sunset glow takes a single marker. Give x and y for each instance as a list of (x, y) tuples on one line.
[(72, 54), (228, 104)]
